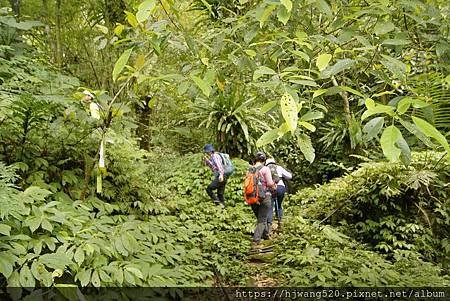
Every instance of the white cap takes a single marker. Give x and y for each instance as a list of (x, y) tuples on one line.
[(86, 92), (270, 161)]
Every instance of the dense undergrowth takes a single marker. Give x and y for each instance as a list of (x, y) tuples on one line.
[(384, 224), (166, 232)]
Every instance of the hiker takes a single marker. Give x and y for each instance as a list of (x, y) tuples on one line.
[(262, 208), (278, 174), (214, 161)]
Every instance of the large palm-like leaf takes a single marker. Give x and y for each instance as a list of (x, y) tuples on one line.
[(235, 121)]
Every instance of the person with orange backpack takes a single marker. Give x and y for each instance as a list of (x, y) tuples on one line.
[(257, 193)]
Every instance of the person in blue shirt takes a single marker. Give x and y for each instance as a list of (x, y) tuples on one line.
[(214, 161)]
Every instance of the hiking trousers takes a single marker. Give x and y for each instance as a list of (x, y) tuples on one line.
[(277, 200), (261, 212), (219, 186)]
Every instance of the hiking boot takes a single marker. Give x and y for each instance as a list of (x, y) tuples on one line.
[(267, 236)]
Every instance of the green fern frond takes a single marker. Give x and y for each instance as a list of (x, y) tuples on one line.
[(432, 87)]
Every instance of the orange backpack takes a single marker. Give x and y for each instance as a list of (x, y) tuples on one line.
[(253, 189)]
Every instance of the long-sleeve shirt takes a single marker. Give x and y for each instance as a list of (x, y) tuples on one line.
[(283, 173), (266, 175), (215, 163)]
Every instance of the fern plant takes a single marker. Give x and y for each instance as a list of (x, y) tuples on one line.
[(233, 118), (436, 91)]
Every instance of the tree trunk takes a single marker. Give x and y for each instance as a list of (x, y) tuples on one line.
[(347, 113), (46, 17), (58, 49), (15, 5), (144, 122)]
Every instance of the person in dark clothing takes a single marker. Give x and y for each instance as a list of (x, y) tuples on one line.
[(278, 195), (214, 161), (262, 209)]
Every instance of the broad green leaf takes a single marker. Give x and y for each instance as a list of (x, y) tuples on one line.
[(283, 129), (95, 279), (432, 132), (6, 265), (118, 30), (262, 70), (268, 106), (323, 6), (383, 27), (250, 52), (79, 256), (104, 277), (26, 278), (396, 67), (144, 10), (127, 243), (118, 275), (323, 60), (40, 273), (373, 127), (289, 111), (121, 62), (413, 129), (287, 4), (84, 276), (388, 142), (373, 109), (5, 229), (355, 133), (307, 125), (129, 277), (47, 225), (303, 82), (267, 137), (131, 18), (350, 90), (56, 260), (265, 14), (404, 104), (311, 115), (203, 85), (33, 223), (135, 271), (319, 92), (119, 247), (283, 15), (300, 54), (341, 65), (405, 155), (304, 142), (14, 281)]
